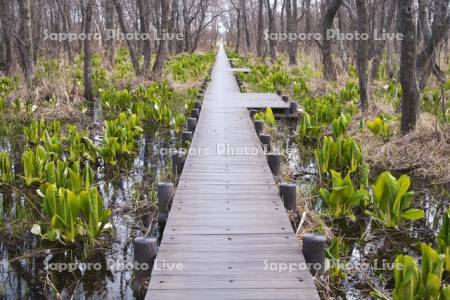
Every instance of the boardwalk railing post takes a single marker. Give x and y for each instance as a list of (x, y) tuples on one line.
[(314, 247), (195, 113), (274, 160), (259, 126), (165, 193), (253, 113), (288, 192), (178, 159), (175, 163), (145, 250), (198, 105), (200, 93), (191, 124), (265, 141), (186, 136), (293, 108), (285, 98)]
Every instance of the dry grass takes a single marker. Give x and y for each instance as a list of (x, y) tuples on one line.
[(424, 153), (51, 99)]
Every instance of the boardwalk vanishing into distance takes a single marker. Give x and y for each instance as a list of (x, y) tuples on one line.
[(228, 229)]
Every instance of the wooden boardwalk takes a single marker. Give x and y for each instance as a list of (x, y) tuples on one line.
[(228, 224)]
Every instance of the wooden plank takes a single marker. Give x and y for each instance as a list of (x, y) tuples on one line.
[(253, 100), (230, 188), (229, 229), (225, 220), (265, 245), (231, 268), (218, 256), (187, 195), (217, 239), (222, 207), (238, 281)]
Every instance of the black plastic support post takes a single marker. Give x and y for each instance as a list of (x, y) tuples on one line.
[(274, 160), (259, 126), (186, 136), (314, 246), (265, 141), (288, 192), (191, 124), (145, 250)]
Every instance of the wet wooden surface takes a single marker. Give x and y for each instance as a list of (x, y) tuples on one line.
[(228, 231)]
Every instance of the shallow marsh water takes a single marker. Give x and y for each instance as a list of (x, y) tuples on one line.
[(371, 250), (126, 189)]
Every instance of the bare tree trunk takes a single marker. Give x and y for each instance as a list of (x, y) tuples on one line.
[(144, 30), (282, 25), (308, 22), (186, 26), (426, 61), (88, 83), (26, 41), (5, 15), (247, 33), (291, 19), (83, 17), (109, 24), (272, 29), (178, 44), (36, 32), (259, 50), (66, 29), (123, 27), (327, 58), (342, 51), (173, 26), (201, 23), (408, 74), (363, 54), (389, 13), (424, 20), (162, 50), (238, 27)]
